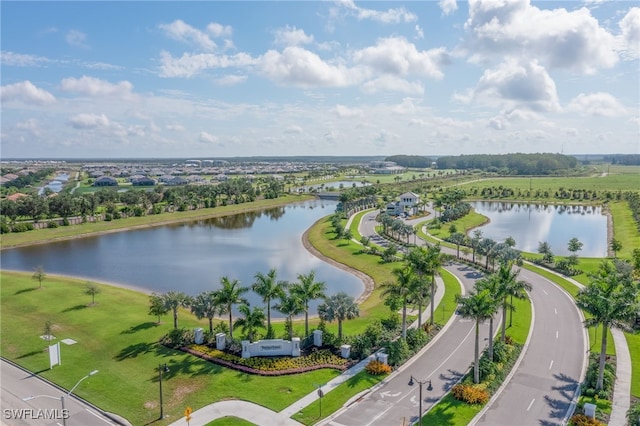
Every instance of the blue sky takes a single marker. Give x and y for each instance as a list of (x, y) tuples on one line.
[(218, 79)]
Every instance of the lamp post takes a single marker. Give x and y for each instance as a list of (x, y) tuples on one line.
[(421, 383), (64, 416), (161, 368)]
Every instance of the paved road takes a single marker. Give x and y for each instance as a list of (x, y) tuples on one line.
[(18, 384), (443, 363), (542, 388)]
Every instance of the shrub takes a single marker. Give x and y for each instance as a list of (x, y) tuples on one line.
[(377, 367), (22, 227), (398, 351), (471, 394), (177, 338), (52, 224), (416, 339), (108, 217), (633, 415), (582, 420), (65, 222), (486, 367), (501, 352)]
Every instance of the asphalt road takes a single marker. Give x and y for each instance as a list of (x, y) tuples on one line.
[(444, 363), (543, 387), (45, 409)]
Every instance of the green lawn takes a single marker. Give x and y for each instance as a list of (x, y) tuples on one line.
[(230, 421), (612, 182), (335, 399), (118, 338), (633, 340)]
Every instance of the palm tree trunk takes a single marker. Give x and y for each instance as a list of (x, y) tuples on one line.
[(306, 321), (476, 355), (175, 318), (230, 324), (511, 312), (419, 316), (268, 315), (603, 357), (491, 339), (340, 330), (404, 321), (433, 297), (504, 319)]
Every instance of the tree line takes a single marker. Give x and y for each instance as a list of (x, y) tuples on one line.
[(510, 164)]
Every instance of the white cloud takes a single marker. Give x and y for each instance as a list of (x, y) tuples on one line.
[(181, 31), (291, 36), (303, 68), (448, 6), (630, 28), (231, 80), (293, 130), (391, 16), (419, 32), (389, 83), (525, 85), (27, 93), (346, 112), (219, 30), (558, 38), (598, 104), (175, 127), (91, 86), (395, 55), (21, 60), (189, 64), (76, 38), (31, 125), (89, 121), (207, 138)]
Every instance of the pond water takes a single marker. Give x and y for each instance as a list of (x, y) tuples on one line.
[(530, 224), (194, 256), (56, 184)]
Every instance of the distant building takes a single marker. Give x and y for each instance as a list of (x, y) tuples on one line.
[(408, 201), (105, 181), (385, 167)]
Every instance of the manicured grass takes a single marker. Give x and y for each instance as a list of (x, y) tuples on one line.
[(613, 182), (355, 223), (335, 399), (625, 229), (89, 228), (633, 341), (118, 338), (464, 224), (230, 421)]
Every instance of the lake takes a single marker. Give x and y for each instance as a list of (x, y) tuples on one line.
[(529, 224), (193, 256)]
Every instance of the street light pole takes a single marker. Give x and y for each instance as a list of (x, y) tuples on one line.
[(161, 368), (420, 383), (64, 416)]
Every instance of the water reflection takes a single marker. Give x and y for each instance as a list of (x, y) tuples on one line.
[(530, 224), (194, 256)]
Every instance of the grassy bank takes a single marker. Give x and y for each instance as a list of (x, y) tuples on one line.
[(93, 228), (119, 338)]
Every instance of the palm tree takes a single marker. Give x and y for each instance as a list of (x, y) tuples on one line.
[(267, 287), (290, 305), (205, 305), (616, 246), (457, 238), (230, 294), (39, 274), (478, 306), (399, 291), (485, 248), (510, 286), (253, 320), (174, 300), (611, 300), (475, 242), (309, 289), (90, 289), (434, 260), (156, 306), (420, 296), (492, 284), (338, 307)]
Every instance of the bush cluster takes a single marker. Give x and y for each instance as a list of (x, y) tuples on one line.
[(377, 367), (582, 420), (591, 378), (270, 366), (471, 394)]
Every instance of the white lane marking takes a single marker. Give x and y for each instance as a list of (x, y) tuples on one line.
[(91, 412), (530, 404), (556, 334), (550, 365), (555, 310), (436, 369), (545, 292)]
